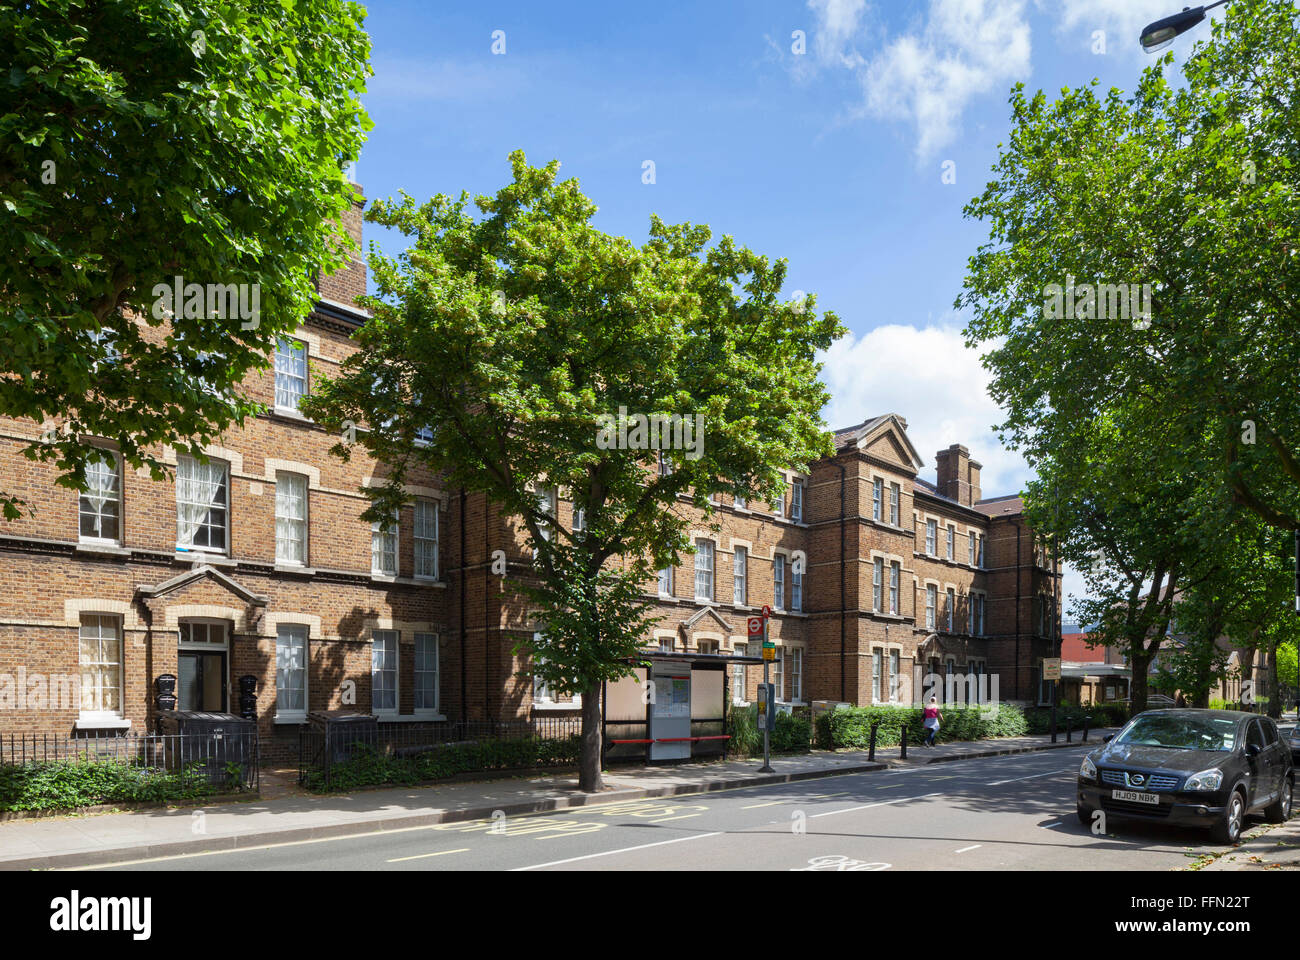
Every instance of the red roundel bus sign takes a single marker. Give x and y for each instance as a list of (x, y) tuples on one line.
[(755, 627)]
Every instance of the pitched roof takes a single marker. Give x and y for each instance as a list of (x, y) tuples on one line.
[(1001, 506)]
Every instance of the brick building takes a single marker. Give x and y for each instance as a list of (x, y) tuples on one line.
[(257, 564)]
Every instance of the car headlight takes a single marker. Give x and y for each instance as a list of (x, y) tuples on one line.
[(1088, 769), (1205, 780)]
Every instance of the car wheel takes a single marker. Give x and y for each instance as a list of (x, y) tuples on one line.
[(1085, 814), (1228, 827), (1279, 811)]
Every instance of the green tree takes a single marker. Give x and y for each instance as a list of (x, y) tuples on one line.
[(522, 335), (143, 140)]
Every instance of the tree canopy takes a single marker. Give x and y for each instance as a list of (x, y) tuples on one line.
[(147, 140), (527, 340)]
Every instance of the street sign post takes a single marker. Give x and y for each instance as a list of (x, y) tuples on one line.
[(767, 705), (1052, 668)]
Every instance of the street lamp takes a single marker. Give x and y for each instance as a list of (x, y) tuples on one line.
[(1159, 35)]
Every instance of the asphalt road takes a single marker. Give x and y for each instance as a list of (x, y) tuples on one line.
[(1013, 812)]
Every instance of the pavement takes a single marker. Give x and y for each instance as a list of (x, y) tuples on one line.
[(79, 841), (1266, 848)]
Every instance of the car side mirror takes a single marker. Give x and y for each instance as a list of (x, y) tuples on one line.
[(1252, 750)]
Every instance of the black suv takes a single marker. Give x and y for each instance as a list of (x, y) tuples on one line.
[(1207, 768)]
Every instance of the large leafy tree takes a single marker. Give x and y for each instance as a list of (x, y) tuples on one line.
[(521, 334), (1138, 293), (143, 140)]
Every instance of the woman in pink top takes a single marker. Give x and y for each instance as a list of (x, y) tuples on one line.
[(932, 718)]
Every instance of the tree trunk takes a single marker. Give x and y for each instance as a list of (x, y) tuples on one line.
[(1274, 691), (589, 780), (1137, 688)]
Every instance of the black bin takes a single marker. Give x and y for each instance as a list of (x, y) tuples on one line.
[(209, 742), (342, 731)]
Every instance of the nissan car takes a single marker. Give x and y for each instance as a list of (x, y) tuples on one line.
[(1202, 768)]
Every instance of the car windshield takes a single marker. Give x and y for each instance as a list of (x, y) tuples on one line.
[(1181, 732)]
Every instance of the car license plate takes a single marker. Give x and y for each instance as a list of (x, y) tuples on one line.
[(1133, 796)]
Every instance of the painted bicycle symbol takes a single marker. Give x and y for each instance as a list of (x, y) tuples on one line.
[(841, 864)]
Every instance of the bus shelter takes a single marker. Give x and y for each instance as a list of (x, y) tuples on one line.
[(673, 708)]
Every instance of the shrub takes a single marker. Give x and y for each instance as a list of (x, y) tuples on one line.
[(852, 727), (66, 785), (1103, 715), (370, 768), (793, 733)]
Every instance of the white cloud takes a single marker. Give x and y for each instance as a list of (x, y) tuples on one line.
[(930, 378), (838, 23), (966, 49)]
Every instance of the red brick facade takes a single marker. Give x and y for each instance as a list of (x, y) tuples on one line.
[(840, 644)]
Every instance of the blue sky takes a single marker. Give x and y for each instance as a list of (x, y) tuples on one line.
[(833, 158)]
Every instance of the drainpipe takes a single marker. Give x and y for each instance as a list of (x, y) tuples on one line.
[(464, 705), (844, 600), (1018, 577)]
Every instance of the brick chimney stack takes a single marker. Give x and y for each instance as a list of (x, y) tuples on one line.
[(349, 282), (959, 475)]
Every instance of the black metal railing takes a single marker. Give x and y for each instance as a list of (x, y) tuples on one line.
[(228, 761), (322, 746)]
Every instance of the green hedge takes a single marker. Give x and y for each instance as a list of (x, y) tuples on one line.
[(368, 768), (66, 785), (852, 727), (793, 733), (1103, 715)]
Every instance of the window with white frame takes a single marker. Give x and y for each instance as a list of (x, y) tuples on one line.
[(778, 505), (796, 501), (895, 675), (971, 560), (778, 581), (895, 574), (877, 584), (741, 503), (738, 677), (970, 613), (796, 674), (796, 589), (740, 576), (290, 373), (778, 675), (100, 507), (202, 505), (979, 614), (542, 692), (952, 542), (666, 582), (666, 644), (423, 436), (931, 536), (706, 647), (383, 672), (704, 570), (383, 546), (290, 518), (426, 674), (546, 505), (877, 666), (980, 558), (100, 654), (951, 603), (877, 498), (291, 672), (893, 504), (425, 534), (931, 597)]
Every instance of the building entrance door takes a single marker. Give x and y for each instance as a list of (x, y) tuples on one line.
[(203, 664)]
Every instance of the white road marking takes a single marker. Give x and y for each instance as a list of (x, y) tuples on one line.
[(1048, 826), (1050, 773), (868, 806), (422, 856), (609, 853), (970, 848)]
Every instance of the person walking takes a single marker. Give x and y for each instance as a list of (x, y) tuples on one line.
[(933, 717)]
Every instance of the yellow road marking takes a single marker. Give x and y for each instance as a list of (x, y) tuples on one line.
[(422, 856)]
